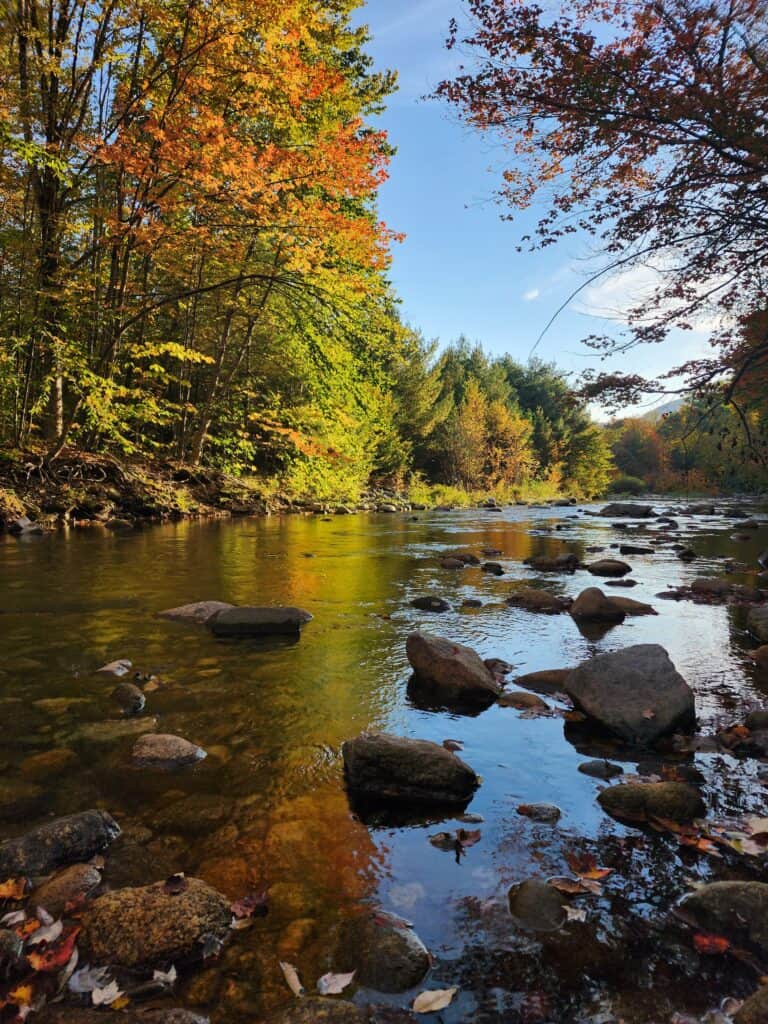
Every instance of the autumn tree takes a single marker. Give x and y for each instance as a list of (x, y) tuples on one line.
[(638, 450), (643, 124)]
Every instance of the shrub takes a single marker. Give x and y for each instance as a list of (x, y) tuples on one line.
[(627, 485)]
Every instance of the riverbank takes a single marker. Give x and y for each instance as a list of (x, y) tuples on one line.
[(82, 489)]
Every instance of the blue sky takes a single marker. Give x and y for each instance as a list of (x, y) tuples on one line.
[(458, 270)]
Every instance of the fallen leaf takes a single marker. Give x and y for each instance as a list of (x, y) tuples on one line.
[(56, 956), (13, 918), (468, 838), (22, 995), (48, 934), (585, 866), (175, 884), (334, 984), (576, 886), (431, 1001), (253, 905), (453, 745), (166, 977), (575, 914), (712, 945), (649, 713), (88, 978), (291, 976), (13, 889), (121, 667), (106, 996), (443, 840)]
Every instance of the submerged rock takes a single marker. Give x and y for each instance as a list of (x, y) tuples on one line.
[(48, 763), (600, 769), (256, 622), (635, 549), (129, 697), (593, 606), (106, 733), (56, 1013), (430, 604), (523, 700), (66, 888), (548, 681), (545, 814), (493, 568), (567, 562), (165, 752), (156, 924), (636, 693), (537, 906), (19, 798), (454, 672), (710, 585), (534, 600), (755, 1009), (384, 951), (757, 622), (609, 567), (395, 768), (737, 910), (319, 1010), (198, 612), (638, 801), (69, 840)]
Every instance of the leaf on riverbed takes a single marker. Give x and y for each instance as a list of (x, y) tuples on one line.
[(88, 978), (13, 889), (175, 884), (453, 745), (166, 977), (49, 933), (711, 945), (334, 984), (15, 917), (254, 904), (57, 955), (585, 866), (121, 667), (291, 976), (106, 996), (575, 913), (576, 886), (437, 999), (649, 713)]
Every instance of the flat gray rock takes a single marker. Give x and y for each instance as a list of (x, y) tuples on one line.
[(198, 612), (257, 621)]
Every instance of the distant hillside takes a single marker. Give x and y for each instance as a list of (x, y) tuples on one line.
[(661, 410)]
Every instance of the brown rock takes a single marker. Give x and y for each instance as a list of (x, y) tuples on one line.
[(593, 606), (533, 600), (456, 673), (49, 763), (523, 701)]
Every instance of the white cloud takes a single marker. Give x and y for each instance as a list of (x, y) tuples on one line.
[(531, 294)]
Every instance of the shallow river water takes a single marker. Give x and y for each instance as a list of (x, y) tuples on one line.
[(270, 807)]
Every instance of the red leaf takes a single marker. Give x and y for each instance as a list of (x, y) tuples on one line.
[(712, 945), (55, 957)]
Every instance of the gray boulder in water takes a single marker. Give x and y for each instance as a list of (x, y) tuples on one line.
[(256, 622), (636, 693), (628, 510), (70, 840), (394, 768), (454, 672)]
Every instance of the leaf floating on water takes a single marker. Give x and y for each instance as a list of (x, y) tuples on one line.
[(585, 866), (453, 745), (334, 984), (291, 976), (710, 945), (437, 999), (175, 884), (13, 889), (576, 886)]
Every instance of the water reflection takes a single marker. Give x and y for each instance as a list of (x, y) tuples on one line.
[(268, 806)]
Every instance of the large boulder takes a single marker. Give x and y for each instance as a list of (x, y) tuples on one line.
[(384, 951), (626, 510), (394, 768), (256, 622), (455, 673), (737, 910), (757, 622), (156, 924), (533, 600), (636, 693), (640, 801), (609, 567), (593, 606), (198, 612), (69, 840)]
